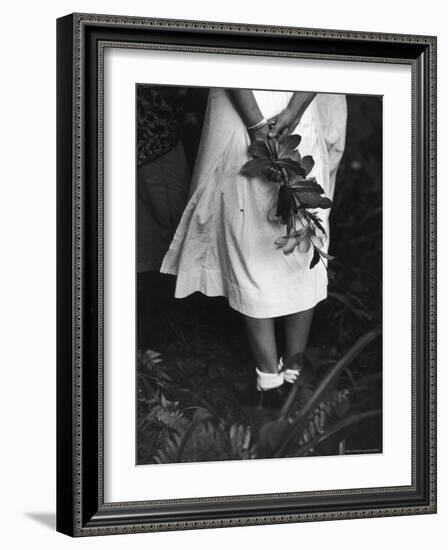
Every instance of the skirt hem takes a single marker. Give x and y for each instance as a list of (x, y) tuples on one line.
[(287, 301)]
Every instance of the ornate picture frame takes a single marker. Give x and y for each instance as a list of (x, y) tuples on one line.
[(81, 43)]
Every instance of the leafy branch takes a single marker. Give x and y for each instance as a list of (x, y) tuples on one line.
[(279, 161)]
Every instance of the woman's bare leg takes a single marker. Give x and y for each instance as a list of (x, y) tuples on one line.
[(262, 342), (297, 329)]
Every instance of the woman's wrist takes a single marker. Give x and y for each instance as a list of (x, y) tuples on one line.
[(294, 113), (259, 134), (257, 126), (299, 103)]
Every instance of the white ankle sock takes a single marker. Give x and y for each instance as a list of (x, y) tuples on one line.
[(268, 380), (289, 375)]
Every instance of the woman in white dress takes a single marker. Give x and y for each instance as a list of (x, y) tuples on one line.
[(224, 244)]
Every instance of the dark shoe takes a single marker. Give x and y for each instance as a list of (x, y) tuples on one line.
[(272, 399), (249, 396)]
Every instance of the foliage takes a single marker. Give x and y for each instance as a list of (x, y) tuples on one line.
[(308, 418), (279, 161)]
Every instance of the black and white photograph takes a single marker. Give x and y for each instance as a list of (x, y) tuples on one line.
[(258, 274)]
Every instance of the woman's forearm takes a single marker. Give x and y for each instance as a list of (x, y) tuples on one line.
[(300, 101), (246, 105)]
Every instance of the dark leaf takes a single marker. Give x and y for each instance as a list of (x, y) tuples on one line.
[(272, 144), (316, 258), (255, 167), (285, 203), (317, 221), (288, 143), (290, 165), (310, 199), (310, 183), (325, 203), (307, 164), (259, 149), (306, 187)]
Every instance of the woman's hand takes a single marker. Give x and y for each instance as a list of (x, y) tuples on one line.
[(283, 123), (288, 119)]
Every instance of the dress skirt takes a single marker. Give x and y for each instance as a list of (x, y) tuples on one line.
[(224, 243)]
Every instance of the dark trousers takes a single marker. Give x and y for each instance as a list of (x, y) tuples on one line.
[(162, 192)]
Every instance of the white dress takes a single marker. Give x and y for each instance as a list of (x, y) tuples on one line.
[(224, 244)]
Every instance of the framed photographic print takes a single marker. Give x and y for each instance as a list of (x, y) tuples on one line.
[(246, 274)]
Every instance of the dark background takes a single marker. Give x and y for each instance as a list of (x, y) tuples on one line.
[(187, 408)]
